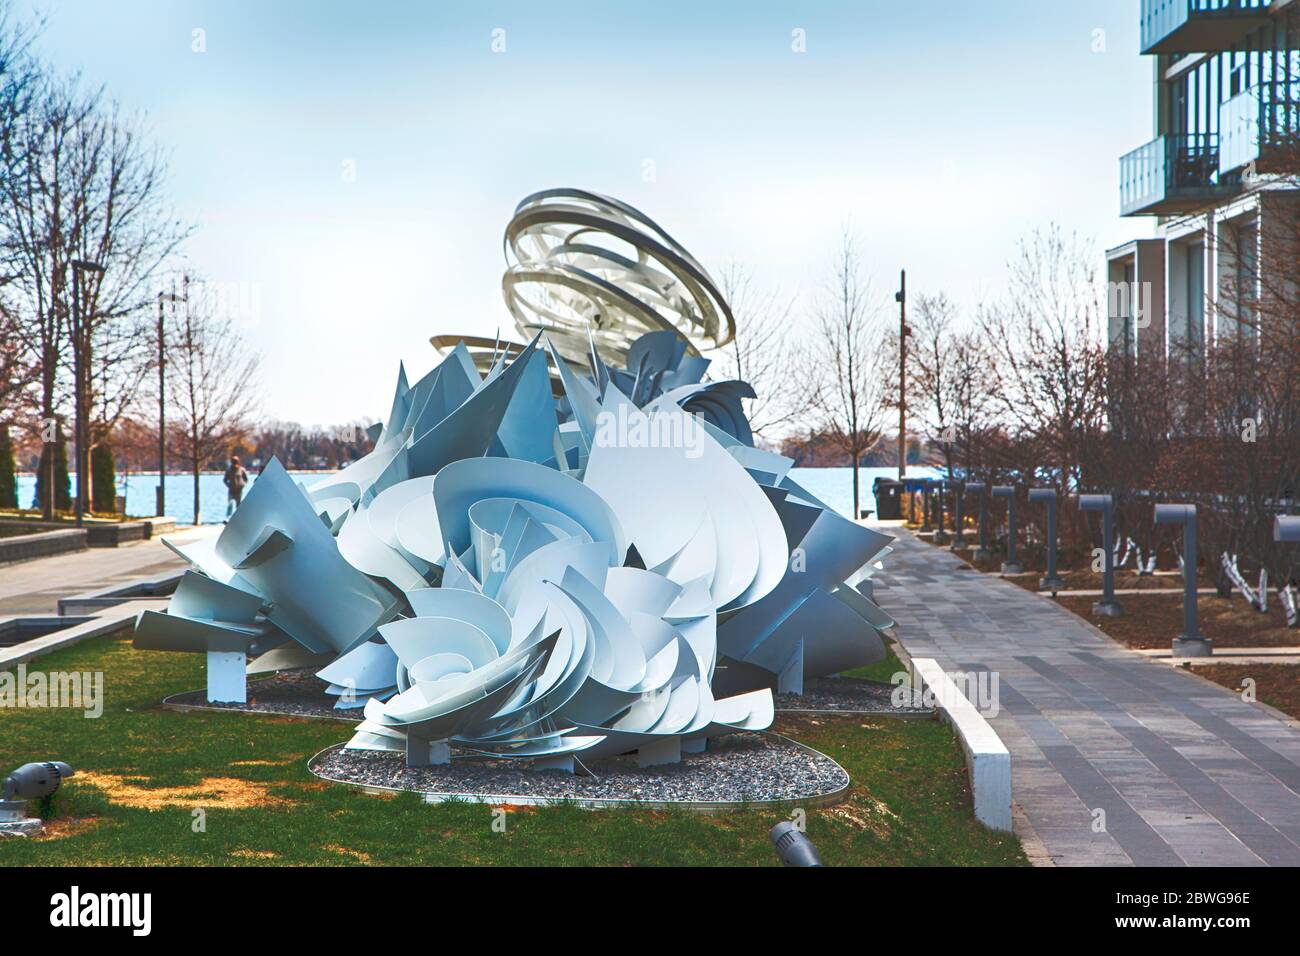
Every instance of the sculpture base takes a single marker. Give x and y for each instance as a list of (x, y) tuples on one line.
[(958, 544), (981, 554), (941, 537), (1012, 567), (1193, 647), (658, 752), (227, 677), (563, 763), (1107, 609), (1051, 584), (426, 753)]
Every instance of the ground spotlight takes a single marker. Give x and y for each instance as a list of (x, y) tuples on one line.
[(31, 781), (792, 846)]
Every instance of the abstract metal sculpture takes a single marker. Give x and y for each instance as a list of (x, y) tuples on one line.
[(585, 267), (522, 575)]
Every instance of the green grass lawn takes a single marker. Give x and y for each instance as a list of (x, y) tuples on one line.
[(909, 804)]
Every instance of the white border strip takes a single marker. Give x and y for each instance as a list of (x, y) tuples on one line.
[(80, 628), (988, 762)]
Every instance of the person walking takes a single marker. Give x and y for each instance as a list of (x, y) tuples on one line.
[(235, 479)]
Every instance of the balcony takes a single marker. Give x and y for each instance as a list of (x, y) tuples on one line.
[(1172, 175), (1199, 26), (1255, 124)]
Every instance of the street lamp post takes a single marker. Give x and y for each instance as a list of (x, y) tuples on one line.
[(1047, 496), (903, 332), (958, 518), (940, 536), (161, 490), (1191, 643), (1010, 565), (1107, 606), (79, 376), (979, 488)]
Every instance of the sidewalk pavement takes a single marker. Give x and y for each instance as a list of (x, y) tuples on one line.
[(34, 587), (1117, 758)]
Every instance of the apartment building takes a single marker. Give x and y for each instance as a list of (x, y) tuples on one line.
[(1226, 76)]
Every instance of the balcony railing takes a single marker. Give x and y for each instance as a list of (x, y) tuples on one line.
[(1198, 26), (1255, 123), (1171, 175)]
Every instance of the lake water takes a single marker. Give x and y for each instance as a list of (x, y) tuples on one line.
[(834, 486)]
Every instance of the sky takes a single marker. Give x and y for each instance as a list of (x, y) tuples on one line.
[(350, 167)]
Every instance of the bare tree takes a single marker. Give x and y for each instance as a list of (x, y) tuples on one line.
[(212, 386), (760, 354), (932, 370), (1046, 343), (968, 405), (847, 376), (82, 185)]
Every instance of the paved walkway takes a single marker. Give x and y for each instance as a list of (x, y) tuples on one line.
[(34, 587), (1185, 771)]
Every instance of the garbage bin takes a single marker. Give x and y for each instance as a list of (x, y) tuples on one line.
[(889, 499)]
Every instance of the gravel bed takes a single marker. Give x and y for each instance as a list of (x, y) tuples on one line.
[(298, 693), (737, 768), (846, 695)]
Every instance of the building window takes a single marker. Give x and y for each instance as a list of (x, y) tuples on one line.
[(1195, 331)]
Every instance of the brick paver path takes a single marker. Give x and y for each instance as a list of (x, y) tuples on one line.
[(1187, 773)]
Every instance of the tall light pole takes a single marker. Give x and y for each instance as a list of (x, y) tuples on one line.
[(903, 332), (161, 490), (79, 375)]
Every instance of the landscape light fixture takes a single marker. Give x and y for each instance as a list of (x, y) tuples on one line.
[(1052, 582), (31, 781), (979, 488), (1010, 565), (1191, 643), (793, 847), (1286, 529), (1107, 606)]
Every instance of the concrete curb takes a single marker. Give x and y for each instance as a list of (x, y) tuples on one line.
[(45, 544), (141, 589), (80, 629), (988, 762)]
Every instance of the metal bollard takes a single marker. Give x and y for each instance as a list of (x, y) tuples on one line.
[(1107, 606), (1010, 565), (1191, 643), (1052, 582)]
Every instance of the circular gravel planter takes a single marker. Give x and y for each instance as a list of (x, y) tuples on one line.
[(286, 694), (847, 695), (742, 770)]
